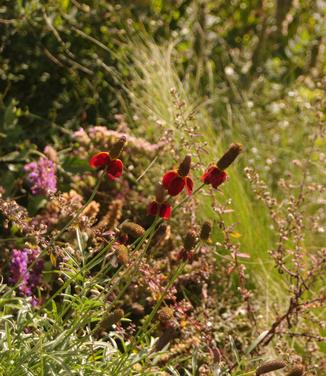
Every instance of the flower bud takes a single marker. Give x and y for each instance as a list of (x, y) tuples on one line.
[(229, 156), (205, 231), (117, 147), (190, 240), (270, 366), (132, 229), (184, 166)]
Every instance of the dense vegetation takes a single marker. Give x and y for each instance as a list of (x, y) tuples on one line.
[(105, 271)]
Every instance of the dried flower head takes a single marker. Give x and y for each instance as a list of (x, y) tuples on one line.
[(117, 147), (132, 229), (270, 366), (110, 319), (190, 240), (165, 314), (122, 253), (205, 231)]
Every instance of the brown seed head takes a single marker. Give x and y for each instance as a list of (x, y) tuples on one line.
[(270, 366), (160, 193), (132, 229), (296, 371), (117, 147), (111, 318), (206, 230), (122, 253), (229, 156), (184, 166), (190, 240), (165, 314)]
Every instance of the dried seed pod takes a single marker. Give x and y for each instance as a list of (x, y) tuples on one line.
[(296, 371), (229, 156), (160, 193), (206, 230), (270, 366), (184, 166), (111, 318), (117, 147), (132, 229), (190, 240), (122, 253), (165, 314)]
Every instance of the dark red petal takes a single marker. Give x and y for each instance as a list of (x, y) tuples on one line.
[(152, 208), (189, 185), (165, 211), (115, 168), (176, 186), (99, 160), (206, 177), (168, 177), (218, 177)]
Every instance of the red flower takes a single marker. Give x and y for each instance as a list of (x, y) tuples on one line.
[(160, 206), (162, 209), (113, 167), (175, 180), (214, 176)]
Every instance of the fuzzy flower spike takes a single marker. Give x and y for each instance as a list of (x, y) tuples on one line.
[(175, 180), (160, 206), (215, 174), (110, 161)]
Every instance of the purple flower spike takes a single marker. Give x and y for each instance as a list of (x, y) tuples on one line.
[(18, 270), (29, 280), (41, 176)]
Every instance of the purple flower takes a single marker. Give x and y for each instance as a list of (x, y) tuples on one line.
[(41, 176), (21, 260), (36, 271), (19, 270)]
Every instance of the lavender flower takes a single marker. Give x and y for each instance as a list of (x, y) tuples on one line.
[(20, 261), (41, 176), (36, 271), (19, 270)]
